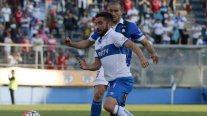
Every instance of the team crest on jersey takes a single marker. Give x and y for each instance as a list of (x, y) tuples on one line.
[(123, 30)]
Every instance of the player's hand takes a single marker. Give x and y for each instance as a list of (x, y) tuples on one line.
[(155, 58), (82, 63), (67, 41), (144, 63)]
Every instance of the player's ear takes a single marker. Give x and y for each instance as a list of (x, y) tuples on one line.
[(109, 24)]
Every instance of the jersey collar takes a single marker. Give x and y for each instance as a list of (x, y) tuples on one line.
[(107, 33), (121, 21)]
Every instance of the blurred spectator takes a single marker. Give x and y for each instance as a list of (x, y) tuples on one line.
[(169, 21), (29, 6), (158, 15), (6, 11), (2, 28), (164, 10), (26, 49), (158, 31), (187, 6), (41, 34), (143, 6), (72, 7), (52, 20), (2, 19), (133, 14), (166, 34), (172, 5), (52, 47), (14, 29), (25, 24), (37, 42), (105, 5), (14, 59), (44, 27), (62, 61), (200, 41), (37, 46), (18, 37), (87, 29), (147, 24), (180, 22), (82, 5), (70, 23), (155, 5), (18, 15), (49, 62), (127, 5), (7, 47), (83, 21), (93, 11), (196, 32), (36, 12), (184, 40), (175, 36), (34, 28), (204, 34)]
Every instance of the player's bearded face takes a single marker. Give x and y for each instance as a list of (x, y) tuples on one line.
[(115, 10), (101, 25)]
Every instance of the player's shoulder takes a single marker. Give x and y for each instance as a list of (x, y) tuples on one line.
[(116, 34), (130, 23)]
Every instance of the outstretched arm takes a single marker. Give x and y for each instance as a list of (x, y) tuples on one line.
[(81, 44), (151, 50), (92, 67), (138, 52)]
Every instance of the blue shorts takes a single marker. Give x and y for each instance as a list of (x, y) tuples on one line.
[(120, 88)]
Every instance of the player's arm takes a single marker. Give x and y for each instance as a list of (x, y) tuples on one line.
[(92, 67), (151, 50), (137, 34), (81, 44), (138, 52)]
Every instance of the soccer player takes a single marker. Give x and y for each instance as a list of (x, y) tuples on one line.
[(128, 29), (110, 52)]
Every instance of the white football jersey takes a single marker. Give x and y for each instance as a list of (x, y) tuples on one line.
[(112, 53)]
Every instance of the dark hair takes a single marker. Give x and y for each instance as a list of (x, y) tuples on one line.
[(108, 17)]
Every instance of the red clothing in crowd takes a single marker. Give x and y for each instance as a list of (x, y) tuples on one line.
[(155, 5), (18, 15), (61, 61), (127, 5), (49, 63)]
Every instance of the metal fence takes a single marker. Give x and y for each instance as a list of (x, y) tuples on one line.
[(187, 65)]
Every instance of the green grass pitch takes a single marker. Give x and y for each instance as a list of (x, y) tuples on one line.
[(83, 110)]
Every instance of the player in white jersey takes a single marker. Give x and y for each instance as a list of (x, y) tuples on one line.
[(111, 48), (132, 32)]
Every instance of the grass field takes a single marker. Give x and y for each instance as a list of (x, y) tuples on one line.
[(83, 110)]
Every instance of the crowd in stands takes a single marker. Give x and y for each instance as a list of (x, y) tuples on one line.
[(47, 22)]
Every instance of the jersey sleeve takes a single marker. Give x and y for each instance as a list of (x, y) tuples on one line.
[(119, 40), (94, 36), (136, 33)]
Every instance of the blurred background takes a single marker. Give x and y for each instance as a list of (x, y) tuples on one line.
[(31, 43)]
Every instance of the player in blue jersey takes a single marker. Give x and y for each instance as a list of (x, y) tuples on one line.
[(128, 29), (110, 52)]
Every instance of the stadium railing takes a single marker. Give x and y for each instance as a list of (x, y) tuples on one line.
[(186, 64)]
